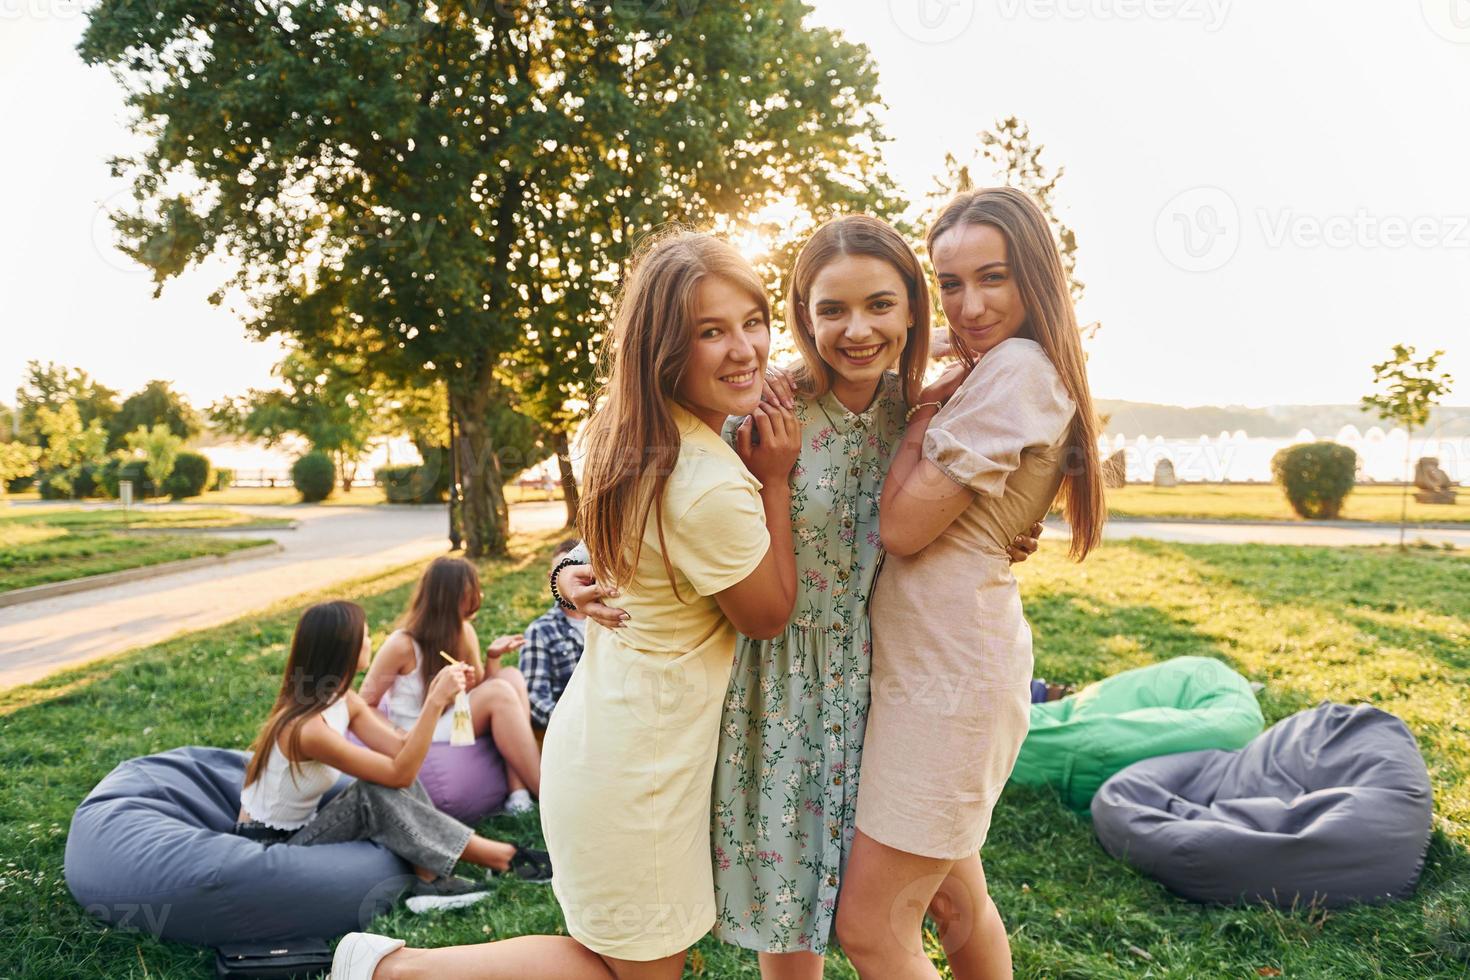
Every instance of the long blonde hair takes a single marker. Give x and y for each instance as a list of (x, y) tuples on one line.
[(857, 234), (632, 438), (1050, 321)]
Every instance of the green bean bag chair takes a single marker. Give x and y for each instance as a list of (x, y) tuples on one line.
[(1181, 705)]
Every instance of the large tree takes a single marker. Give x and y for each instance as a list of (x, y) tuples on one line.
[(53, 386), (156, 403), (453, 183)]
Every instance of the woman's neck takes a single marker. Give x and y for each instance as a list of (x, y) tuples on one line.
[(855, 396)]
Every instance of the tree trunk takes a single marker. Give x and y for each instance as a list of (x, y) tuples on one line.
[(484, 517), (568, 478)]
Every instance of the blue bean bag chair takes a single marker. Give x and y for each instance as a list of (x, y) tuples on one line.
[(1180, 705), (151, 848), (1331, 805)]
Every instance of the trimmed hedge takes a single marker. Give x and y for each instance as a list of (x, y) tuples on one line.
[(191, 473), (87, 483), (1317, 477), (315, 476), (224, 478), (414, 484), (118, 469)]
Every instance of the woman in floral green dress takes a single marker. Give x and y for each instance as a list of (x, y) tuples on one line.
[(791, 736)]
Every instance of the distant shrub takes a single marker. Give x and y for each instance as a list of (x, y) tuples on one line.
[(223, 479), (1317, 477), (413, 484), (314, 475), (21, 484), (190, 474), (117, 469), (85, 482)]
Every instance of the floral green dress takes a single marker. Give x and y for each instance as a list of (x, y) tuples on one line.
[(791, 738)]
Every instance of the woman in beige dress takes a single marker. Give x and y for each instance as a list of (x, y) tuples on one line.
[(951, 649)]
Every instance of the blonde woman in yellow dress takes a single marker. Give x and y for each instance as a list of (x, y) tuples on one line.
[(696, 536), (951, 649)]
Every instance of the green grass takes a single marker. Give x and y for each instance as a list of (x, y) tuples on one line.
[(75, 518), (41, 545), (359, 497), (1381, 626), (1267, 502)]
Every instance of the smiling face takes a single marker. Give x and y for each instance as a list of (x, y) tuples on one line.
[(731, 339), (977, 288), (860, 318)]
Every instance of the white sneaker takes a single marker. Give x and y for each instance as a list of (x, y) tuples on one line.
[(359, 953), (435, 903), (519, 802)]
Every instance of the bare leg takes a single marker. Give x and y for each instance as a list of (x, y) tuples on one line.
[(791, 966), (488, 853), (970, 927), (496, 706), (880, 912), (522, 958)]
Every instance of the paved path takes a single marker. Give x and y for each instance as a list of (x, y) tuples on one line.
[(330, 545), (334, 544), (1240, 532)]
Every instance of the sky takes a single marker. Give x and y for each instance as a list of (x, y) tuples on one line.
[(1267, 196)]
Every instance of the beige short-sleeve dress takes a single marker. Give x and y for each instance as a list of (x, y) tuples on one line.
[(951, 649), (628, 764)]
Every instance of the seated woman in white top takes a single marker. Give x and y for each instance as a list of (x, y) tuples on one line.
[(438, 618), (302, 750)]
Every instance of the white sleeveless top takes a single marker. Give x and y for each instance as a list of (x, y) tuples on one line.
[(405, 699), (282, 799)]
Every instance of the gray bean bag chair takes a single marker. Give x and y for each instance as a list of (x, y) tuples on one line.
[(1331, 805), (151, 849)]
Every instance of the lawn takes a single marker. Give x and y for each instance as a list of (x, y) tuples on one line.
[(1266, 502), (1381, 626), (360, 496), (40, 545)]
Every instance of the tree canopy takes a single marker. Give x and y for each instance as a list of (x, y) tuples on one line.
[(452, 189)]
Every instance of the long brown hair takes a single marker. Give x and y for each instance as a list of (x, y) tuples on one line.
[(858, 234), (1031, 253), (632, 438), (435, 616), (324, 654)]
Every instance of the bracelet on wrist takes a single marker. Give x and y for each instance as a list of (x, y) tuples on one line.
[(555, 592), (908, 416)]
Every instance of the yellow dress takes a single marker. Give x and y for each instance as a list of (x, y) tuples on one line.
[(629, 758)]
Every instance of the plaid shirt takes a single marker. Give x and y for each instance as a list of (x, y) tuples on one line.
[(550, 654)]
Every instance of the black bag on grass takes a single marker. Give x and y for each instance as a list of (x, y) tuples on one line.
[(285, 958)]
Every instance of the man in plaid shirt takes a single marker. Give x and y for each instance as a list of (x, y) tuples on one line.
[(553, 646)]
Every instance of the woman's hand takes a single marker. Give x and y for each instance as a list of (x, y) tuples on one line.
[(502, 645), (772, 453), (579, 586), (447, 683), (1025, 545), (944, 386), (779, 387)]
